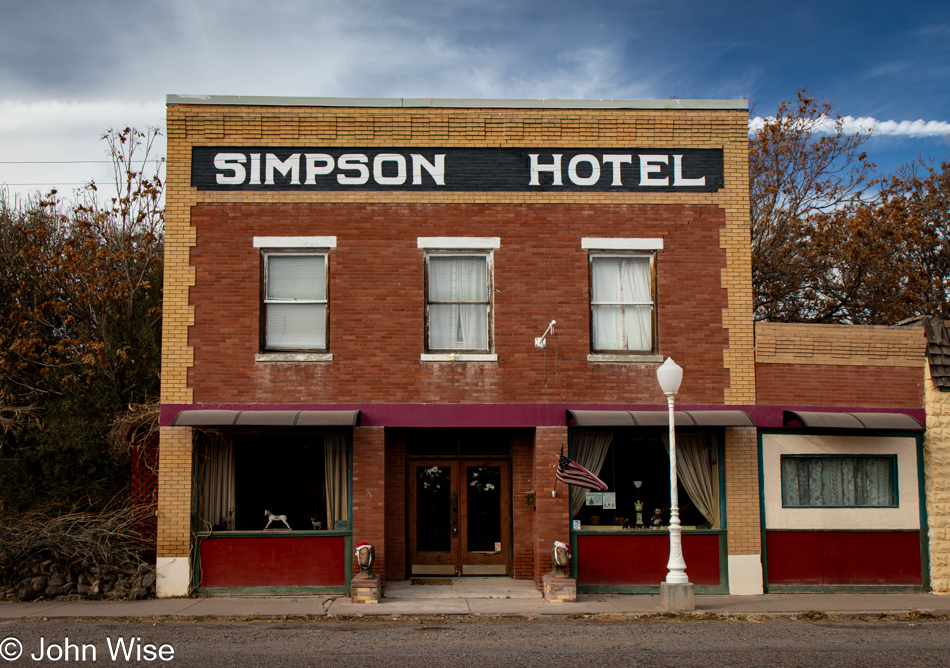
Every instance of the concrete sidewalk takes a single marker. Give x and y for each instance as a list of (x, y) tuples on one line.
[(428, 601)]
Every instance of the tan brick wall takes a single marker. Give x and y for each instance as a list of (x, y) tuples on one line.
[(839, 345), (937, 477), (742, 491), (174, 491)]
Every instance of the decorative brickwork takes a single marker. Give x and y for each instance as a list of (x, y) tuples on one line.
[(836, 365), (742, 491), (937, 476), (174, 491)]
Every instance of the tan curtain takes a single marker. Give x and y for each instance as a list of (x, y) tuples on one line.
[(337, 477), (589, 450), (694, 470), (216, 480)]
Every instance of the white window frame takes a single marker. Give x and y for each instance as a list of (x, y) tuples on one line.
[(299, 246), (460, 247), (624, 247)]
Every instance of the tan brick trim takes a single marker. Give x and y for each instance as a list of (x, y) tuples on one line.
[(839, 345)]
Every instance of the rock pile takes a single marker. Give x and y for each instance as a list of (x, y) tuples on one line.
[(52, 580)]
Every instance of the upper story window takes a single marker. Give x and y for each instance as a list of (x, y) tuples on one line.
[(296, 305), (623, 295), (458, 296)]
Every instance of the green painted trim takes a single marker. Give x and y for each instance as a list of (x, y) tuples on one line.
[(646, 532), (846, 589), (921, 502), (844, 531), (274, 591), (763, 544), (895, 494)]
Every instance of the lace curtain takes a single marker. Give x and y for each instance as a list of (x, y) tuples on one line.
[(837, 481)]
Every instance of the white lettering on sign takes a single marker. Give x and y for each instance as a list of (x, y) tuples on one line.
[(388, 169), (554, 168), (232, 162), (291, 165), (616, 161), (436, 171), (349, 162), (325, 166), (678, 179), (652, 164), (583, 180)]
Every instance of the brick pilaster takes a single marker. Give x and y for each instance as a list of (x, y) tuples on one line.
[(552, 515), (369, 493)]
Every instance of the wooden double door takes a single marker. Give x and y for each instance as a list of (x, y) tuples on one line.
[(459, 517)]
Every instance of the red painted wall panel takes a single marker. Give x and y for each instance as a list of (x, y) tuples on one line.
[(285, 561), (640, 559), (843, 557)]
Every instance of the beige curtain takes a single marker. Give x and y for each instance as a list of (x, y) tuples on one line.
[(589, 450), (337, 477), (694, 470), (216, 480)]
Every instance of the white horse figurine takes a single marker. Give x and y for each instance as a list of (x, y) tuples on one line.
[(271, 517)]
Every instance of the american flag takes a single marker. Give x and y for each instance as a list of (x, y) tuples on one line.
[(572, 473)]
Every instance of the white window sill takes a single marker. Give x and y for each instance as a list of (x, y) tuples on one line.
[(268, 358), (459, 357), (625, 359)]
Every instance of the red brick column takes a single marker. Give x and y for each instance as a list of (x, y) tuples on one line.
[(522, 517), (395, 508), (552, 515), (369, 496)]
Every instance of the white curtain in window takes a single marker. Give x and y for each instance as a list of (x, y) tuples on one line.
[(455, 325), (296, 302), (621, 309), (216, 480), (837, 481), (694, 471), (589, 450), (337, 477)]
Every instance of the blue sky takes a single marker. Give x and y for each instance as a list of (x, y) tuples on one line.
[(71, 70)]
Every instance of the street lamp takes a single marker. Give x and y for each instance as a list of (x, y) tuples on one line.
[(677, 592)]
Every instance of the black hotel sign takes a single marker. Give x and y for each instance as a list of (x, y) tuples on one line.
[(457, 169)]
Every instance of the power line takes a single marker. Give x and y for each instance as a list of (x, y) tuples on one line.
[(64, 162)]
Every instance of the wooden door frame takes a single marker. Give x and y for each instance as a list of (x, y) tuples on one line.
[(436, 561)]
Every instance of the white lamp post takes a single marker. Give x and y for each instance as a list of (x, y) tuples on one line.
[(677, 592)]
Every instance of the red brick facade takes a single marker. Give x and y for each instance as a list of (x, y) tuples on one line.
[(823, 385), (377, 308)]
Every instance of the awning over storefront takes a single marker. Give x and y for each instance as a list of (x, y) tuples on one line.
[(818, 420), (729, 418), (226, 418)]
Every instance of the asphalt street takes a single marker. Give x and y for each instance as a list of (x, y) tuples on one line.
[(808, 640)]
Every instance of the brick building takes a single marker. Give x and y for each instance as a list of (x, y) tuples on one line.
[(354, 296)]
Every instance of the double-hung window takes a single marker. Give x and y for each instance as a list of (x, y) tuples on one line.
[(623, 295), (458, 296), (295, 303)]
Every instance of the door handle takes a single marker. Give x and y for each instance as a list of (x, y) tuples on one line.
[(455, 530)]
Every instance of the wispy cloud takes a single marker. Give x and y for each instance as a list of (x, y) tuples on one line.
[(870, 125)]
